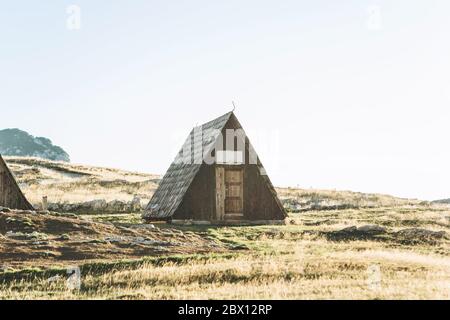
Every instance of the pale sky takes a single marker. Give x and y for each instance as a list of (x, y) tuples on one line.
[(350, 95)]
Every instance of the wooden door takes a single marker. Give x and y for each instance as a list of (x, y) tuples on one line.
[(234, 193), (229, 193)]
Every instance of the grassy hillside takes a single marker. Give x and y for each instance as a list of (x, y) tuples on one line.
[(335, 245), (71, 183), (319, 255)]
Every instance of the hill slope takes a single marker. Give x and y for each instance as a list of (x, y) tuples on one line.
[(88, 188), (15, 142), (443, 201), (81, 188)]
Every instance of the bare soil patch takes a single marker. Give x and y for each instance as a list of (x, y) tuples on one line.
[(49, 239)]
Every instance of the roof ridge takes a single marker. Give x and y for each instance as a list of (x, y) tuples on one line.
[(228, 114)]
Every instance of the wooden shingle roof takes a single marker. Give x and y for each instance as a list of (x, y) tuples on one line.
[(184, 168)]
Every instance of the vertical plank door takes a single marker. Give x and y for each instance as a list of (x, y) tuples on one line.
[(234, 202)]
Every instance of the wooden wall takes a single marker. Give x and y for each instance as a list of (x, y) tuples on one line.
[(199, 202), (259, 202)]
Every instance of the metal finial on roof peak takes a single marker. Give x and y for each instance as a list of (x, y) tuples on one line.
[(234, 106)]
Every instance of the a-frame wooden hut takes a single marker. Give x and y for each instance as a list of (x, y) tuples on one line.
[(216, 178), (10, 194)]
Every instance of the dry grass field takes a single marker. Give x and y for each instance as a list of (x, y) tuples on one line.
[(65, 182), (335, 245)]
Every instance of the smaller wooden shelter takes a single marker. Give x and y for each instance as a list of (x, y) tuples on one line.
[(10, 194)]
